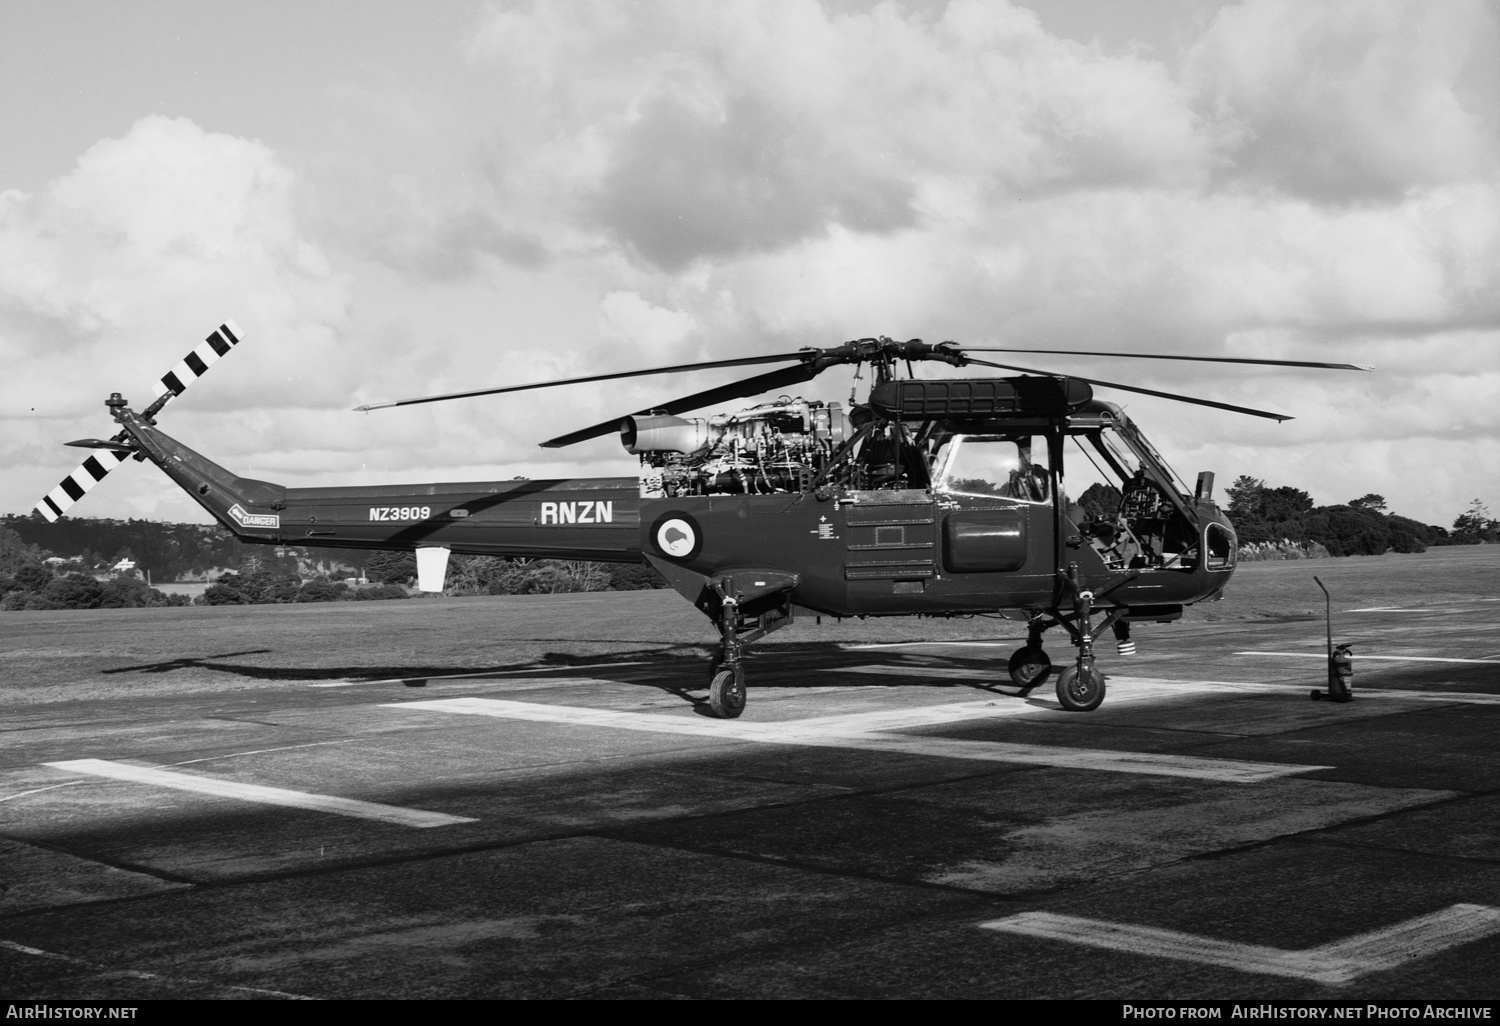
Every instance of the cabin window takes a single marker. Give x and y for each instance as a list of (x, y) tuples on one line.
[(1008, 466)]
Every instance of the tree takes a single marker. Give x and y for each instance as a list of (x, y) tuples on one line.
[(386, 567), (1245, 500), (322, 590), (32, 577), (1475, 525), (1345, 531), (1100, 501), (75, 591), (1279, 505), (16, 554), (1370, 501), (635, 577), (223, 595)]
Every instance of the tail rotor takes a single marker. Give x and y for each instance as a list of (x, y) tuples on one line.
[(114, 451)]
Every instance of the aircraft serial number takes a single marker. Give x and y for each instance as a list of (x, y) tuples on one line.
[(400, 512)]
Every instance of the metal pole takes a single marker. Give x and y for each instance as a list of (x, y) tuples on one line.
[(1328, 614)]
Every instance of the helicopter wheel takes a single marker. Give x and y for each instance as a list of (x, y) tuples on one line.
[(1029, 667), (726, 692), (1080, 692)]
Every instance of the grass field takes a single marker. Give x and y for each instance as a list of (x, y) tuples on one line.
[(83, 655)]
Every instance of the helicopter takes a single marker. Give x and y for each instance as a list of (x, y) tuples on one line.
[(932, 497)]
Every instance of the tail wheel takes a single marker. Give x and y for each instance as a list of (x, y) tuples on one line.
[(726, 692), (1029, 667), (1080, 692)]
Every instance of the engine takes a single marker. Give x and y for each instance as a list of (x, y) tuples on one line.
[(775, 447)]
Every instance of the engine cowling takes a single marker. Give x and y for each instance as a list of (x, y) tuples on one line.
[(664, 433)]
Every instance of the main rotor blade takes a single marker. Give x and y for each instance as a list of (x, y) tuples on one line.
[(741, 362), (1142, 391), (734, 390), (1165, 356)]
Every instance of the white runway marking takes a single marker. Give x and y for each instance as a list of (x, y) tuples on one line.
[(136, 974), (915, 644), (1340, 962), (476, 674), (850, 732), (39, 790), (954, 672), (263, 751), (1124, 690), (1392, 659), (1385, 609), (257, 793)]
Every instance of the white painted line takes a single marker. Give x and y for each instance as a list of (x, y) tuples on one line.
[(263, 751), (1337, 963), (136, 974), (915, 644), (837, 734), (1385, 609), (998, 675), (1145, 689), (476, 674), (1367, 658), (257, 793), (39, 790)]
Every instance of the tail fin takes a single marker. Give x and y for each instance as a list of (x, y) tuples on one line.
[(249, 508), (114, 452)]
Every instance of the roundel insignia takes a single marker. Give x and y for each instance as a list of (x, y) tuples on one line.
[(677, 536)]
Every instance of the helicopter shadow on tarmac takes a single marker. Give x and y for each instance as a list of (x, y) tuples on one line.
[(678, 670)]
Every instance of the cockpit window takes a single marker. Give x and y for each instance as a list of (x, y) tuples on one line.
[(1221, 547), (1003, 465)]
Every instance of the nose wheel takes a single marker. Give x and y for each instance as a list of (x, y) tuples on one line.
[(1080, 690), (726, 691)]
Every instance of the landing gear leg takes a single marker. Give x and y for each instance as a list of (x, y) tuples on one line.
[(1080, 687), (726, 686)]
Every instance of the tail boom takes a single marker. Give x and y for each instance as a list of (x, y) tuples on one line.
[(594, 519)]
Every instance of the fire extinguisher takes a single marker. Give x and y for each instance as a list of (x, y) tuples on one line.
[(1340, 661), (1341, 674)]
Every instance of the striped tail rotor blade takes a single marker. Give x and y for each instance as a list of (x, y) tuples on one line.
[(204, 355), (89, 473)]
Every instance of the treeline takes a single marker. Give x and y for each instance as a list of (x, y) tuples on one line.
[(1285, 516), (391, 574), (492, 575), (36, 577), (165, 552), (27, 582)]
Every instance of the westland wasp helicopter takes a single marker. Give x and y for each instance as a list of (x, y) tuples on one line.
[(934, 497)]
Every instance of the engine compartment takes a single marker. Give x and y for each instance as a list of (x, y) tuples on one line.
[(780, 446)]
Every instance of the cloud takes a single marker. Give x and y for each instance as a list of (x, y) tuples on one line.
[(700, 132), (1356, 98), (687, 185), (152, 240), (117, 269)]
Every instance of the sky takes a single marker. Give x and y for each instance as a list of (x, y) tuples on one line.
[(401, 199)]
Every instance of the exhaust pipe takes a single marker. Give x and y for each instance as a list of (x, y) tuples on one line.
[(660, 433)]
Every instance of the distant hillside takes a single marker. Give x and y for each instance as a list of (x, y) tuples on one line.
[(167, 551)]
